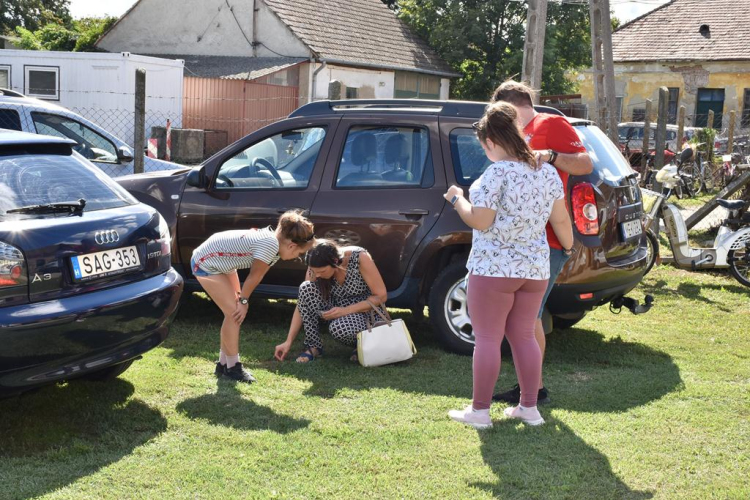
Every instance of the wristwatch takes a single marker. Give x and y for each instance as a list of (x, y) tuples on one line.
[(243, 300), (552, 156), (568, 251), (454, 200)]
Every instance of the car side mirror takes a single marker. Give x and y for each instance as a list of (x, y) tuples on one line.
[(124, 154), (196, 178)]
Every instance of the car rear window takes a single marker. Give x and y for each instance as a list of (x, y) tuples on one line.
[(606, 157), (469, 160), (41, 179)]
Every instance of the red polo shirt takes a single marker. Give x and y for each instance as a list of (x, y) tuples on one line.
[(553, 132)]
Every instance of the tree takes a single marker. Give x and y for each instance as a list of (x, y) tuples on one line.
[(80, 38), (483, 40), (33, 14)]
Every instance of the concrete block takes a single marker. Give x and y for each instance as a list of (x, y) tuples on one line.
[(187, 145)]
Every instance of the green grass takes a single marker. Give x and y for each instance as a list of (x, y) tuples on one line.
[(643, 406)]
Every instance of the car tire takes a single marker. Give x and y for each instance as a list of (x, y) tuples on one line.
[(449, 314), (109, 373), (652, 243), (560, 323)]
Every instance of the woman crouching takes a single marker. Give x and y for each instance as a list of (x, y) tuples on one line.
[(341, 285)]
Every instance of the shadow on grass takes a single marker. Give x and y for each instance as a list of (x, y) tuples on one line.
[(694, 291), (585, 371), (227, 407), (548, 462), (56, 435)]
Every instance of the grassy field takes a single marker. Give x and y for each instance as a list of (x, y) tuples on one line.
[(653, 406)]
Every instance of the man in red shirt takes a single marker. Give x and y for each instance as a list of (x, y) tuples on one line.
[(554, 141)]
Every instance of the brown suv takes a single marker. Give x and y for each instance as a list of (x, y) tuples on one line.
[(372, 173)]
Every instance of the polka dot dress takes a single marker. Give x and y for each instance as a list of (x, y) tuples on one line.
[(354, 289)]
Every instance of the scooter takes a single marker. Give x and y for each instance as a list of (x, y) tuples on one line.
[(731, 248)]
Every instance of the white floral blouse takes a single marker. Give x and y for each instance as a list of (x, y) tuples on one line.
[(515, 246)]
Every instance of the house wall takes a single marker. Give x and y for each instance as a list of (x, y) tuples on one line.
[(101, 86), (372, 84), (636, 82), (162, 27)]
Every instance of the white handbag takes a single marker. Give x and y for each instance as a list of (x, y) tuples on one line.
[(384, 342)]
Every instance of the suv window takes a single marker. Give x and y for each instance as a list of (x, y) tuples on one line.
[(386, 157), (282, 161), (606, 157), (469, 160), (38, 179), (91, 144), (10, 119)]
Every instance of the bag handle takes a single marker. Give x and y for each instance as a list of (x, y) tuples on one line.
[(382, 313)]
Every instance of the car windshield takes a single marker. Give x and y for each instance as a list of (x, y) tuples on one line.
[(45, 179), (606, 157)]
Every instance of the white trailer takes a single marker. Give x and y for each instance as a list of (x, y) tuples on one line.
[(99, 86)]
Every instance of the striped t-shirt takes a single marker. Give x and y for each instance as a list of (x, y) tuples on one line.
[(229, 250)]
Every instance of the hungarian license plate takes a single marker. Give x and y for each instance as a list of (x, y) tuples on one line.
[(631, 229), (105, 263)]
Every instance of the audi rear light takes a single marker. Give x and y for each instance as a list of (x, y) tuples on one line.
[(164, 237), (585, 212), (12, 266)]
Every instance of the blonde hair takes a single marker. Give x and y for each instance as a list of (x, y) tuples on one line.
[(296, 228), (499, 125)]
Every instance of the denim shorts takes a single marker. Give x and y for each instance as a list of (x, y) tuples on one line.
[(197, 271), (557, 260)]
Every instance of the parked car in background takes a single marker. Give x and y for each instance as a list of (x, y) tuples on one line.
[(631, 140), (111, 154), (86, 285), (372, 173)]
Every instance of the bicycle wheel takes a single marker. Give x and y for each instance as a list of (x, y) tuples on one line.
[(707, 176), (739, 264), (696, 180)]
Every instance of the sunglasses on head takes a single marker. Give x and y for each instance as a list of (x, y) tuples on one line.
[(475, 125)]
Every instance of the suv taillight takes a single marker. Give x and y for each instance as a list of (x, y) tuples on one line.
[(585, 213), (165, 239), (12, 266)]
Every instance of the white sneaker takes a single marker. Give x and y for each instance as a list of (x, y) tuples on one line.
[(529, 416), (469, 416)]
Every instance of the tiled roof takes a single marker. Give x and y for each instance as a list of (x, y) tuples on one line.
[(358, 32), (233, 68), (672, 33)]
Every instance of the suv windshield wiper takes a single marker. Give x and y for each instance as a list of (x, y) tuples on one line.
[(66, 206)]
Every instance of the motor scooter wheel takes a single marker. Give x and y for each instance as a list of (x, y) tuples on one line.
[(652, 242), (739, 264)]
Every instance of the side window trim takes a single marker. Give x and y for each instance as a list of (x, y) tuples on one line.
[(428, 166), (90, 129), (325, 127)]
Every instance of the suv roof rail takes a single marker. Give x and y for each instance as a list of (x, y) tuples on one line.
[(470, 109), (11, 93)]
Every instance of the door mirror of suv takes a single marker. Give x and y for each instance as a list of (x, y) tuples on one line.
[(124, 154), (196, 178)]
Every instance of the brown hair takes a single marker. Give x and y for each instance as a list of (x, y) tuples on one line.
[(516, 93), (324, 253), (294, 227), (499, 126)]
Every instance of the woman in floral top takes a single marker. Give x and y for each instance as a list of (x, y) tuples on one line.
[(508, 209)]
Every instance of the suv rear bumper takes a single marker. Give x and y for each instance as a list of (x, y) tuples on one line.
[(60, 339), (565, 300)]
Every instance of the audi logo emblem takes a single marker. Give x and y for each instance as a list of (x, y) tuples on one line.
[(108, 236)]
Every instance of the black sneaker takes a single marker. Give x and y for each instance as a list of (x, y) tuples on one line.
[(220, 369), (513, 396), (239, 374)]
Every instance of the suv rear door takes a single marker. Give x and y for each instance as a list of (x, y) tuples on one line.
[(382, 188)]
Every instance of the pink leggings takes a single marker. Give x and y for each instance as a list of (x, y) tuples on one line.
[(500, 307)]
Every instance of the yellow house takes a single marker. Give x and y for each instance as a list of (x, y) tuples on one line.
[(698, 49)]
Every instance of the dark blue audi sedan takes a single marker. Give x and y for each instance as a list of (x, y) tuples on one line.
[(86, 284)]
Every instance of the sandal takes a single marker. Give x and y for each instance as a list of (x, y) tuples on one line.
[(308, 355)]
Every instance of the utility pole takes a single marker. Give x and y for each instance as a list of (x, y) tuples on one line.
[(533, 47), (604, 68)]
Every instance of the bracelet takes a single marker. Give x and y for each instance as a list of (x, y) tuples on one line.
[(552, 157), (454, 200), (568, 251)]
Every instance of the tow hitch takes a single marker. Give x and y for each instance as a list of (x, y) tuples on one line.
[(632, 305)]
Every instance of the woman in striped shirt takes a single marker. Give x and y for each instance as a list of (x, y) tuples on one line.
[(215, 265)]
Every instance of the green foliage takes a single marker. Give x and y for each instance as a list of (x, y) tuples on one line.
[(33, 14), (80, 38), (484, 41)]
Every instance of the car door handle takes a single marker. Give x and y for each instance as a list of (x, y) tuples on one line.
[(281, 210), (414, 213)]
